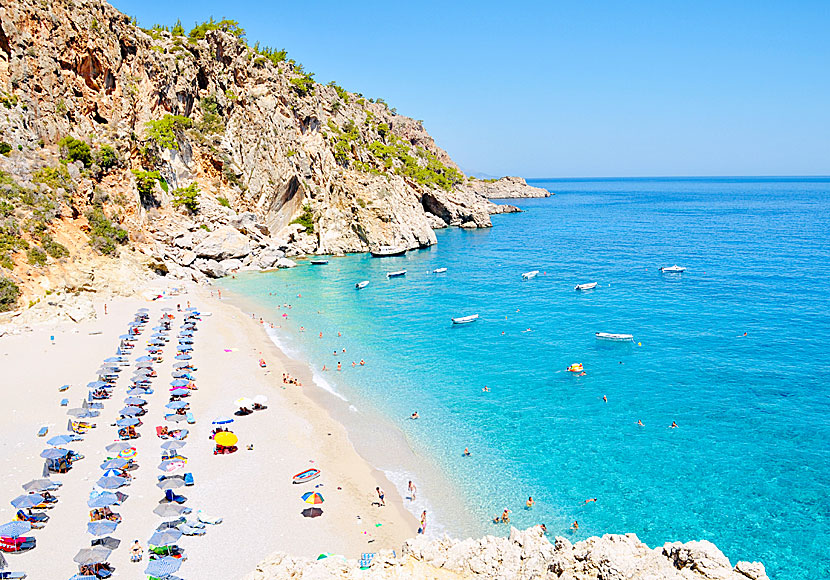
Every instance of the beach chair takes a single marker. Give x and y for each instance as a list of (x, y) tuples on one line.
[(208, 519), (64, 402), (366, 560), (172, 497), (42, 431), (188, 479), (36, 519), (190, 418), (21, 544), (12, 575), (189, 530)]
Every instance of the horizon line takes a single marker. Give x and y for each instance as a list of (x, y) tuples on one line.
[(609, 177)]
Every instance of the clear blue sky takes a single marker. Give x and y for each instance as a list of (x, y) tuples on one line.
[(571, 88)]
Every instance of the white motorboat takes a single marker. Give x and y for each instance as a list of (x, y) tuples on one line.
[(673, 269), (530, 275), (589, 286), (439, 270), (319, 262), (617, 337), (384, 251), (396, 274), (363, 284), (465, 319)]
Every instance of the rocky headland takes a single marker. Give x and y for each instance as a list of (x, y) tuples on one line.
[(510, 187), (525, 555)]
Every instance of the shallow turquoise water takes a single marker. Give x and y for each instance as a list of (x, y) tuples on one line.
[(749, 465)]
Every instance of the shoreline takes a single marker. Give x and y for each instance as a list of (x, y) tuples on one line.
[(294, 432)]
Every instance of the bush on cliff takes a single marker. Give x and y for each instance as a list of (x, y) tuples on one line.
[(165, 132), (104, 235), (230, 26), (305, 219), (76, 150), (187, 197), (145, 183), (9, 293), (304, 85), (106, 158)]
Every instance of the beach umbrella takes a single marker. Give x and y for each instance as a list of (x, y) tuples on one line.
[(171, 465), (126, 337), (97, 385), (165, 538), (260, 399), (144, 365), (118, 446), (111, 482), (155, 343), (130, 411), (313, 497), (144, 358), (101, 527), (167, 309), (181, 375), (312, 512), (184, 348), (172, 445), (128, 453), (183, 357), (169, 510), (127, 422), (179, 392), (177, 404), (185, 334), (175, 418), (172, 483), (26, 501), (171, 525), (222, 420), (58, 440), (79, 413), (54, 453), (92, 555), (138, 390), (38, 485), (143, 309), (225, 439), (182, 365), (113, 473), (243, 402), (186, 340), (134, 401), (179, 383), (114, 359), (163, 567), (15, 529), (104, 499), (143, 370), (107, 542), (114, 464)]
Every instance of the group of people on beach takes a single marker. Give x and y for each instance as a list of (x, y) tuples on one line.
[(289, 380)]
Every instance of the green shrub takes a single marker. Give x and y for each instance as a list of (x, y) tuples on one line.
[(304, 84), (5, 148), (8, 101), (272, 54), (187, 197), (54, 177), (178, 29), (53, 248), (383, 129), (223, 201), (9, 294), (145, 182), (36, 256), (230, 26), (341, 92), (305, 219), (104, 235), (106, 157), (165, 132), (76, 150)]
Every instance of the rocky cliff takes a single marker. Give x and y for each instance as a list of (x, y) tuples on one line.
[(509, 187), (200, 151), (525, 555)]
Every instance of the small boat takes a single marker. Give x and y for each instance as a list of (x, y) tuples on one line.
[(395, 274), (363, 284), (589, 286), (306, 475), (530, 275), (617, 337), (465, 319), (384, 251), (439, 270), (575, 368), (319, 262), (673, 269)]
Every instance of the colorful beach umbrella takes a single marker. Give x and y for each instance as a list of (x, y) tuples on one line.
[(225, 439), (113, 473), (171, 465), (128, 453), (313, 497)]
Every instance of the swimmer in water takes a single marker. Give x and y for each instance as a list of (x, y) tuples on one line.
[(321, 335), (361, 362), (466, 452), (673, 425), (339, 366), (529, 503), (593, 499), (415, 415), (324, 368), (604, 398), (640, 422), (486, 389), (575, 525)]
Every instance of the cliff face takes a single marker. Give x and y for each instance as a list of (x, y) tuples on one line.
[(525, 555), (261, 142)]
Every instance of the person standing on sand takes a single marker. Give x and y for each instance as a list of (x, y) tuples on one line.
[(423, 529), (412, 490), (381, 496)]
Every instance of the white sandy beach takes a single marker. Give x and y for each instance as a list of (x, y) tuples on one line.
[(251, 490)]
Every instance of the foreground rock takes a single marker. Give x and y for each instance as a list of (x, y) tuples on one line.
[(525, 555)]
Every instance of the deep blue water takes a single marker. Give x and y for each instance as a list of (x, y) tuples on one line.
[(748, 467)]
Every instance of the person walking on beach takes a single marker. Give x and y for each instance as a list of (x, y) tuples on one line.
[(412, 490), (423, 529), (136, 552), (381, 496)]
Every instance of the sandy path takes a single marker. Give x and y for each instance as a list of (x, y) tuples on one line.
[(251, 490)]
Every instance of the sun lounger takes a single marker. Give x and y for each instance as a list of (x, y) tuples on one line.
[(20, 544), (42, 431), (36, 519), (189, 530), (208, 519), (188, 479), (172, 497), (190, 418), (366, 560), (12, 575)]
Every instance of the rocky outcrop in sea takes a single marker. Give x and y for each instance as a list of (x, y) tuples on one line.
[(510, 187), (524, 555)]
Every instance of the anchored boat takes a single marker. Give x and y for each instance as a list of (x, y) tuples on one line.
[(319, 262), (363, 284), (465, 319), (616, 337), (589, 286), (439, 270), (530, 275), (673, 269), (306, 475), (396, 274), (385, 251)]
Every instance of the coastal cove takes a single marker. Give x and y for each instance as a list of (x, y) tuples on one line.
[(747, 467)]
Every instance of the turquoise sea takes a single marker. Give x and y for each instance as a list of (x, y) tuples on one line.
[(748, 466)]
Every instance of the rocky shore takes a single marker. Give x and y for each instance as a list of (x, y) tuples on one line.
[(509, 187), (525, 555)]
